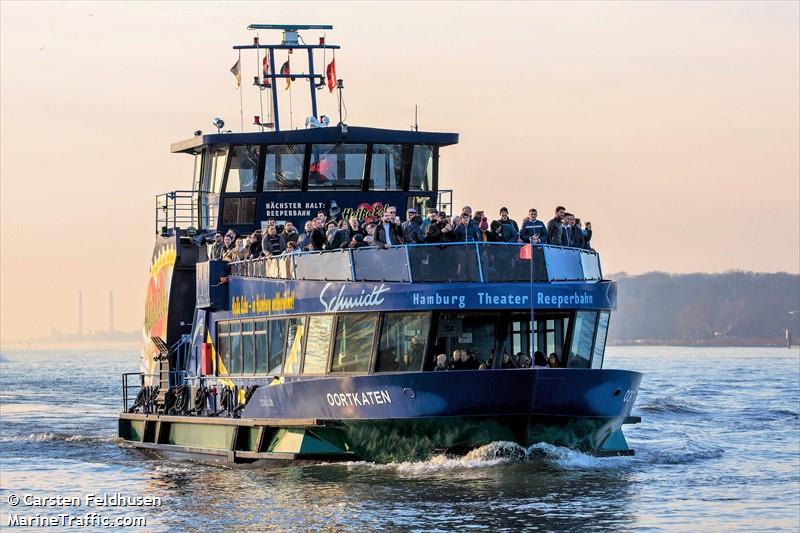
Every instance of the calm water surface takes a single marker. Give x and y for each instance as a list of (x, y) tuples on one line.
[(718, 449)]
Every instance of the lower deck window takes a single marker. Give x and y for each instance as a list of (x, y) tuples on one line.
[(580, 350), (403, 340), (352, 348), (318, 344)]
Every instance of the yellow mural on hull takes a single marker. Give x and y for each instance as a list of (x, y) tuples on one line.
[(156, 306)]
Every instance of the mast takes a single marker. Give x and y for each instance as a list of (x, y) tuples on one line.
[(291, 41)]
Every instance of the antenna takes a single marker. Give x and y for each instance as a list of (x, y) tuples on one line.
[(415, 127), (291, 40)]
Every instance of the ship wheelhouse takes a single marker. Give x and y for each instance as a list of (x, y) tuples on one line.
[(243, 179)]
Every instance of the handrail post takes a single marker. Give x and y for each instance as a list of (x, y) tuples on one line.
[(352, 264), (480, 265), (408, 264)]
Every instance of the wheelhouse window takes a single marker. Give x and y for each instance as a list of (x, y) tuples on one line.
[(199, 159), (353, 345), (386, 168), (218, 160), (242, 172), (422, 168), (318, 344), (337, 166), (600, 340), (580, 350), (283, 167), (402, 343)]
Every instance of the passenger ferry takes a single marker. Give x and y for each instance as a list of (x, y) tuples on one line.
[(319, 356)]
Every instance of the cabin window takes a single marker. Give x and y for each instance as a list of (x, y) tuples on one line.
[(580, 350), (473, 332), (386, 169), (277, 346), (242, 173), (294, 345), (600, 340), (283, 167), (261, 346), (550, 331), (402, 343), (223, 348), (248, 348), (198, 170), (318, 344), (422, 168), (235, 355), (218, 160), (353, 345), (237, 211), (337, 166)]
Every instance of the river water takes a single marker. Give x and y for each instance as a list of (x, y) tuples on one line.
[(718, 449)]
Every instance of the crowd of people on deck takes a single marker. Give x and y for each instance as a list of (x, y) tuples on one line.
[(467, 360), (322, 233)]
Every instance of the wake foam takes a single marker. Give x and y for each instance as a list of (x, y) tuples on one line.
[(56, 437), (504, 452)]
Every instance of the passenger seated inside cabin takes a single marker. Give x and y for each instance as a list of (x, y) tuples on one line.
[(405, 363), (455, 361), (524, 361), (552, 362), (507, 362), (469, 361), (441, 362), (539, 360)]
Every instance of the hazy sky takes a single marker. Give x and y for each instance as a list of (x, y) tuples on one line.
[(673, 127)]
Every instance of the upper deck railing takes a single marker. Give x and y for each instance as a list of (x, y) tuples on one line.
[(179, 209), (437, 263)]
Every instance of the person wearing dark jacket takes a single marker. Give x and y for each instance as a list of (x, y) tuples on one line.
[(254, 251), (505, 220), (289, 233), (467, 231), (272, 242), (585, 232), (413, 233), (386, 232), (532, 227), (554, 227), (433, 232)]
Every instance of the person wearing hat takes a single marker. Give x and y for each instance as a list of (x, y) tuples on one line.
[(410, 213)]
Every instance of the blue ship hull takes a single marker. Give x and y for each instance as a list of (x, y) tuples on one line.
[(407, 416)]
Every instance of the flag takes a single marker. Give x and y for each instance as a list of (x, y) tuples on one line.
[(265, 72), (237, 72), (526, 252), (331, 73), (285, 72)]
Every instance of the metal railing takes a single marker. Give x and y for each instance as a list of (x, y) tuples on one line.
[(437, 262), (181, 209)]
